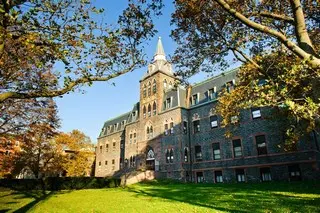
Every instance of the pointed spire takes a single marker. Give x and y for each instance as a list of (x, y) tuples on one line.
[(159, 55)]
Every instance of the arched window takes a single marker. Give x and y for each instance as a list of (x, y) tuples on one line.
[(167, 156), (151, 132), (154, 86), (144, 91), (171, 156), (148, 130), (144, 111), (186, 155), (149, 89), (165, 83), (130, 161), (134, 161), (154, 108), (149, 110)]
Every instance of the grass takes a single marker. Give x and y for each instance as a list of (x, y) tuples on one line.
[(172, 197)]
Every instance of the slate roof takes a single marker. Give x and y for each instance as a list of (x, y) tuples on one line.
[(118, 123), (218, 81)]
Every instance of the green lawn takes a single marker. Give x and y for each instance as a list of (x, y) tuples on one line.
[(172, 197)]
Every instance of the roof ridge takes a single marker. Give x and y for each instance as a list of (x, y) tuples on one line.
[(118, 116), (215, 77)]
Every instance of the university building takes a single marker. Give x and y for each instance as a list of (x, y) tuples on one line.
[(176, 132)]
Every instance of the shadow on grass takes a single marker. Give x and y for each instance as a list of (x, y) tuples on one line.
[(36, 195), (262, 197)]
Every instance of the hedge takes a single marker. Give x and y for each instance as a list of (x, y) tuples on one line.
[(60, 183)]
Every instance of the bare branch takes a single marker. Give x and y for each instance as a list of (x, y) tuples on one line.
[(53, 93)]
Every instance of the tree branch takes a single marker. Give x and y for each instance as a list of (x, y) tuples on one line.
[(312, 59), (273, 16), (300, 27), (54, 93)]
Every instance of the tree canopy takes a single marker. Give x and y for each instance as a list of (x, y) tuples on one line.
[(36, 35), (277, 42)]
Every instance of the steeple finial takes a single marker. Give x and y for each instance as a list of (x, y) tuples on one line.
[(159, 55)]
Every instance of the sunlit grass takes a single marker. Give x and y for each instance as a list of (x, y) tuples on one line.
[(177, 197)]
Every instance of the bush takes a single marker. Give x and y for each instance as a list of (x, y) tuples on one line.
[(60, 183)]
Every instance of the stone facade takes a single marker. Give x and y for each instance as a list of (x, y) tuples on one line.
[(176, 132)]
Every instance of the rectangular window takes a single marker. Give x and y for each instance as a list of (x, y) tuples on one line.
[(265, 174), (106, 163), (216, 151), (214, 121), (294, 172), (195, 99), (107, 147), (196, 126), (100, 149), (99, 163), (198, 153), (130, 141), (171, 128), (114, 145), (240, 175), (166, 129), (256, 113), (185, 127), (261, 144), (212, 93), (200, 178), (218, 176), (113, 161), (237, 149)]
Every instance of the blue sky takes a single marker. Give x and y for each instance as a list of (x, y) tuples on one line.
[(102, 101)]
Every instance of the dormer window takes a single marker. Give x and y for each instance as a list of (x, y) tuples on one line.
[(168, 103), (230, 86), (195, 99), (134, 114), (212, 93), (170, 85)]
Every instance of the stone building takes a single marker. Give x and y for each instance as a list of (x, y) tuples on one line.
[(176, 132)]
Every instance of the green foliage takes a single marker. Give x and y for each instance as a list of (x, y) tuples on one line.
[(36, 35), (60, 183), (276, 41)]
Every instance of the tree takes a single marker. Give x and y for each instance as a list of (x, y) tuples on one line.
[(18, 115), (36, 35), (278, 43), (78, 153), (38, 152)]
